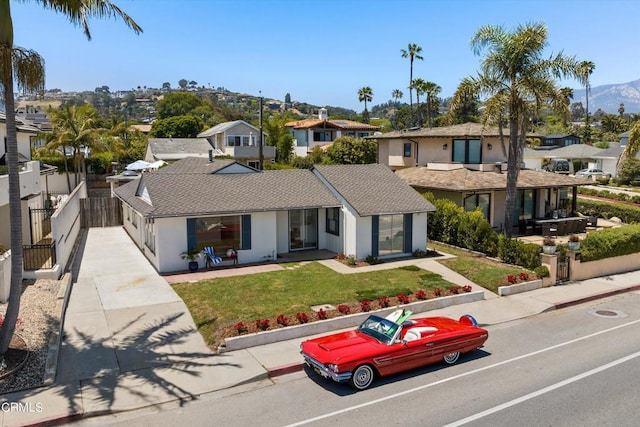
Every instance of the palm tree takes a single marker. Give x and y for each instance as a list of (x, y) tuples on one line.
[(431, 90), (566, 95), (518, 82), (397, 94), (412, 52), (585, 70), (418, 85), (77, 128), (27, 67), (365, 94)]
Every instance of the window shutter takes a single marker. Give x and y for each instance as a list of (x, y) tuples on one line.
[(408, 233), (246, 232), (192, 238), (375, 235)]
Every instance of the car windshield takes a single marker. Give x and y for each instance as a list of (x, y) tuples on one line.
[(383, 330)]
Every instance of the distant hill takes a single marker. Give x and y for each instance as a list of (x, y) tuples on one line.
[(608, 97)]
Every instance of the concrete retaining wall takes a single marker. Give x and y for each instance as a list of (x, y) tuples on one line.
[(298, 331), (519, 287), (615, 265)]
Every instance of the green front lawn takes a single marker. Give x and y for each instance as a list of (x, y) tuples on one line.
[(219, 303)]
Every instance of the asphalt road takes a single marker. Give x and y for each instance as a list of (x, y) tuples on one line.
[(577, 366)]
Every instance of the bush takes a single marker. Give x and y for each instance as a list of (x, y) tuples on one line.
[(628, 214), (475, 233), (516, 252), (611, 242), (541, 271)]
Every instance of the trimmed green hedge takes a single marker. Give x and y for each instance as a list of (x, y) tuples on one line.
[(611, 242), (624, 197), (628, 214)]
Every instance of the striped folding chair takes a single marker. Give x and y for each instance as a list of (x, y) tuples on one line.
[(210, 257)]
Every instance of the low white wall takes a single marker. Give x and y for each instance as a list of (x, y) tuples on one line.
[(342, 322), (65, 226), (5, 276), (519, 287), (586, 270)]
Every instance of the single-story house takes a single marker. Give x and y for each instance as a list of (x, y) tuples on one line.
[(357, 210)]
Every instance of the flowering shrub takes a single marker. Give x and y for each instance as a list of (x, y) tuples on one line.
[(466, 288), (384, 302), (403, 299), (344, 309), (302, 317), (454, 289), (524, 276), (322, 314), (421, 295), (437, 292), (241, 328), (282, 320), (262, 324), (365, 305), (512, 279)]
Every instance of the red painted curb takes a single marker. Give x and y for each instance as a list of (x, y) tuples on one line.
[(597, 296), (286, 369)]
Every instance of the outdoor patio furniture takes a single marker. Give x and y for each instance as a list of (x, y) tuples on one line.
[(592, 221), (210, 257)]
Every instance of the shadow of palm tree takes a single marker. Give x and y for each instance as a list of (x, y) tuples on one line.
[(144, 362)]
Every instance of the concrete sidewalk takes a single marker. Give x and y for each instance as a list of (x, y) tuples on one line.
[(130, 342)]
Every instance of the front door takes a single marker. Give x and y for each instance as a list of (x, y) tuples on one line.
[(303, 229)]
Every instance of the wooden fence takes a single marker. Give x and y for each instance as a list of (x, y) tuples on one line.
[(100, 212)]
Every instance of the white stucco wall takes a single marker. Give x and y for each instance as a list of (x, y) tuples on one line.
[(419, 234)]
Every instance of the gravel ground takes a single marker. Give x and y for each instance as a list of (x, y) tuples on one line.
[(38, 318)]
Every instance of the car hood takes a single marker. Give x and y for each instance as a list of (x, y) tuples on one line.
[(341, 346)]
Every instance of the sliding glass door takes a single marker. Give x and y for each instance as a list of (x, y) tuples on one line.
[(303, 229)]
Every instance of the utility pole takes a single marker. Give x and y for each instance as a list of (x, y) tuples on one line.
[(260, 150)]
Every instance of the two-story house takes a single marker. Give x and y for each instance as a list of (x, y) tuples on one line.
[(237, 139), (560, 140), (467, 163), (310, 133)]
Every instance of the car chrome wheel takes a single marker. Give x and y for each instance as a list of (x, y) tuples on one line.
[(451, 358), (362, 377)]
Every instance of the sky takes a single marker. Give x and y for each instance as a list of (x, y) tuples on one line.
[(320, 52)]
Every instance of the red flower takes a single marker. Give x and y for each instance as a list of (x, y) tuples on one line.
[(421, 295), (403, 299), (466, 288), (437, 292), (524, 276), (322, 314), (454, 289), (511, 279), (282, 320), (344, 309), (365, 305), (383, 302), (262, 324), (302, 317), (241, 328)]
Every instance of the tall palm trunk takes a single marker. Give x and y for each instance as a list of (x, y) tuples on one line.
[(410, 93), (15, 206), (513, 170)]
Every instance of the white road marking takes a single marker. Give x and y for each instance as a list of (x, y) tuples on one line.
[(542, 391), (455, 377)]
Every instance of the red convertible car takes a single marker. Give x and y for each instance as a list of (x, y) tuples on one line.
[(387, 345)]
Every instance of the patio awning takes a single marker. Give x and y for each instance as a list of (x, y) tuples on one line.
[(138, 165)]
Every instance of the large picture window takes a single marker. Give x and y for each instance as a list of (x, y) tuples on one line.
[(219, 231), (391, 234), (322, 136), (466, 151)]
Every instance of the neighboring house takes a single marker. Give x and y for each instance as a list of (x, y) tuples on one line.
[(172, 149), (537, 158), (310, 133), (239, 140), (624, 138), (564, 140), (467, 163), (357, 210)]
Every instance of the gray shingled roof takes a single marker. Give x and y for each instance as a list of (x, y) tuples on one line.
[(177, 194), (469, 180), (184, 146), (197, 165), (373, 189), (464, 130), (223, 127)]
